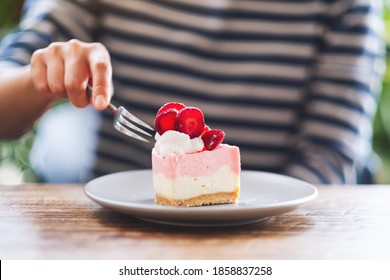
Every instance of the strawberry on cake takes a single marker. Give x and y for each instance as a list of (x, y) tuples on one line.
[(191, 166)]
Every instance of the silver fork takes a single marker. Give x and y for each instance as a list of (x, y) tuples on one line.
[(124, 121)]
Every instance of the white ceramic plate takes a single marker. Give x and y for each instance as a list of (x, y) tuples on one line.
[(262, 195)]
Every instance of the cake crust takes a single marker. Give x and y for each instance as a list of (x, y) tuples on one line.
[(201, 200)]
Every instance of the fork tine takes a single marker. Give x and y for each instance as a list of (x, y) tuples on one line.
[(121, 128), (128, 124), (122, 111), (122, 121)]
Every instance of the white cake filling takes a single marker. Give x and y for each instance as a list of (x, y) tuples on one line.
[(223, 180)]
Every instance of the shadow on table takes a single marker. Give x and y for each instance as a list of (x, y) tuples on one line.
[(291, 223)]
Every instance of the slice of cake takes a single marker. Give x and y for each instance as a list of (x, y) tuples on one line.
[(191, 166)]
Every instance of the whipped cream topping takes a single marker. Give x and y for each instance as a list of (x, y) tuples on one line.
[(175, 142)]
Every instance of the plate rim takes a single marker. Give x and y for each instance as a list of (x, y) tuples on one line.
[(213, 208)]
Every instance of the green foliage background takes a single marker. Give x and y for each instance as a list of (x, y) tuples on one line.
[(9, 14), (381, 140), (15, 153), (14, 162)]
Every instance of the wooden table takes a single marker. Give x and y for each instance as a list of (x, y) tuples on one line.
[(60, 222)]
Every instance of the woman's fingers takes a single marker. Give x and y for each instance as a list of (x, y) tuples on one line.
[(47, 70), (39, 72), (55, 71), (76, 80), (64, 69), (101, 71), (76, 75)]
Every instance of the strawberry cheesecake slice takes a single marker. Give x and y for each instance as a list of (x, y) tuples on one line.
[(191, 166)]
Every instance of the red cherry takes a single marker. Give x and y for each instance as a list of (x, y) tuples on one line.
[(190, 120), (171, 105), (212, 138), (165, 121)]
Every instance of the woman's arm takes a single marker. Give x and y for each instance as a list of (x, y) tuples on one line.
[(20, 103), (62, 70), (40, 63)]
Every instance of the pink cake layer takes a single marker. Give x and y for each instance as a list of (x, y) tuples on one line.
[(202, 163)]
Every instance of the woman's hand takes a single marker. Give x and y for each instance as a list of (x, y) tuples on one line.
[(63, 70)]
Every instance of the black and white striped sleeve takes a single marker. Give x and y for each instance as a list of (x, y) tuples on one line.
[(44, 22), (336, 127)]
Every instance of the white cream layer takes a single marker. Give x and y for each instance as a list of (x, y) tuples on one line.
[(175, 142), (223, 180)]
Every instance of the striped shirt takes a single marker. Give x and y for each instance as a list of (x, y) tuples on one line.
[(294, 84)]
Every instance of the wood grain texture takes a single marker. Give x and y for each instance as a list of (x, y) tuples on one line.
[(60, 222)]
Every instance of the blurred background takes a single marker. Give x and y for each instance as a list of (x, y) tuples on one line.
[(14, 162)]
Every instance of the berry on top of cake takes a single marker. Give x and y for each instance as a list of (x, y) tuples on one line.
[(191, 166)]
